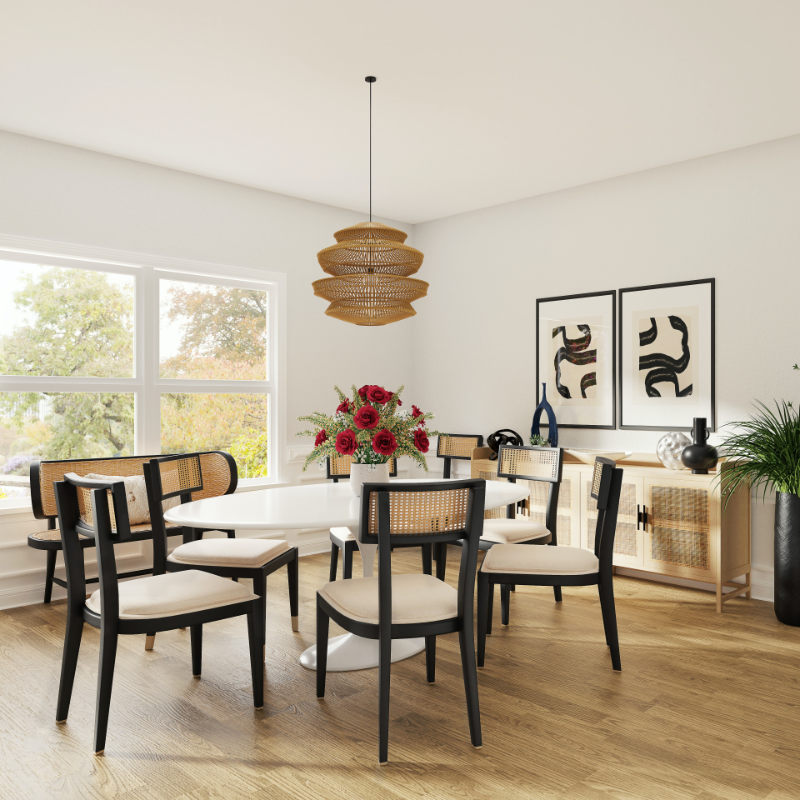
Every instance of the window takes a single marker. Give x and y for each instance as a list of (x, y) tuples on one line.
[(104, 359)]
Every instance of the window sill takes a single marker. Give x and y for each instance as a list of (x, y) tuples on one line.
[(15, 505), (256, 484)]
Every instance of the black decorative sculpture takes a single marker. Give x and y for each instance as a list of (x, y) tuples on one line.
[(552, 432), (501, 437)]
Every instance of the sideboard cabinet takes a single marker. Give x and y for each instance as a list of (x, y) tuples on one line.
[(670, 522)]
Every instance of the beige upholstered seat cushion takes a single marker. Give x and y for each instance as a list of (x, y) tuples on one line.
[(540, 560), (508, 531), (229, 552), (415, 598), (136, 491), (174, 593)]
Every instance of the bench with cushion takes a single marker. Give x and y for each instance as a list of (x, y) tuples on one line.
[(220, 476)]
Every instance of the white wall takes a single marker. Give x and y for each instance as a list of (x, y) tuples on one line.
[(732, 216), (64, 194)]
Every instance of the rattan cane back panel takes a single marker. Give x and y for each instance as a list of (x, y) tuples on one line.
[(420, 513), (180, 474), (625, 540), (85, 507), (529, 464), (340, 466), (536, 508), (679, 532), (216, 475), (457, 446)]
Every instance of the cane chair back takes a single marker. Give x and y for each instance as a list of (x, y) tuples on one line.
[(338, 467), (422, 513), (606, 489), (218, 468), (530, 463), (458, 445), (178, 475)]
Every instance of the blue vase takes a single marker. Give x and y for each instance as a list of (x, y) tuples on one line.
[(552, 431)]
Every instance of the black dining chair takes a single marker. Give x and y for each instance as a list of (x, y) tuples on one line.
[(337, 468), (561, 566), (98, 509), (253, 559), (410, 605)]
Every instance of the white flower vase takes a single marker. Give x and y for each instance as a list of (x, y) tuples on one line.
[(367, 473)]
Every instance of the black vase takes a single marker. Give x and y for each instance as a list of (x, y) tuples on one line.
[(700, 456), (787, 558)]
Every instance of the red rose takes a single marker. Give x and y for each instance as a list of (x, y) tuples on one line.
[(377, 394), (346, 443), (344, 407), (415, 412), (384, 443), (366, 418), (362, 392), (421, 440), (322, 437)]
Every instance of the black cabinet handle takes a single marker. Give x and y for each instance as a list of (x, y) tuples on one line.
[(638, 516)]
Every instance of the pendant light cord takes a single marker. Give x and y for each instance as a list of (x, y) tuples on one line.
[(370, 80)]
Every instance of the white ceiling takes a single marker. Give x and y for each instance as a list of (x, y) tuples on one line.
[(477, 103)]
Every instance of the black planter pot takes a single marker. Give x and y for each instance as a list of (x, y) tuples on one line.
[(787, 558)]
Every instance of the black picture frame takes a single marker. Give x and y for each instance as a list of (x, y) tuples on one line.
[(709, 413), (612, 294)]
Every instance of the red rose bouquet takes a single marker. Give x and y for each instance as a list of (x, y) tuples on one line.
[(370, 427)]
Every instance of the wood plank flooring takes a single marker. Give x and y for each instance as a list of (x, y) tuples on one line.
[(707, 706)]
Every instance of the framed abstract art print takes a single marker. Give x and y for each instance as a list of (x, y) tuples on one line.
[(576, 358), (666, 353)]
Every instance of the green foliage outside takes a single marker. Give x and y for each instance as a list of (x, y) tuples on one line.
[(81, 325)]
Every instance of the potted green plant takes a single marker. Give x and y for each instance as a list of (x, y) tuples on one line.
[(764, 452)]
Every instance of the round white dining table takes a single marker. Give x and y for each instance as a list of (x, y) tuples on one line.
[(319, 505)]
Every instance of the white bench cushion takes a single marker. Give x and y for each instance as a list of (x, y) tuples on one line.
[(508, 531), (415, 598), (174, 593), (545, 560), (229, 552)]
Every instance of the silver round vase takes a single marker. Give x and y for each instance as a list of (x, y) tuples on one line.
[(670, 447)]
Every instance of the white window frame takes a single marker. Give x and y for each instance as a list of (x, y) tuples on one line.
[(147, 385)]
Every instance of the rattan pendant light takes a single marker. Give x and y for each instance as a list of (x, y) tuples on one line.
[(370, 265)]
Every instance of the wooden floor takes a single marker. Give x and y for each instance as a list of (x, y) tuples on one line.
[(707, 706)]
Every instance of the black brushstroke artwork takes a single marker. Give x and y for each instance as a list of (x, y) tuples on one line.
[(662, 368), (574, 352)]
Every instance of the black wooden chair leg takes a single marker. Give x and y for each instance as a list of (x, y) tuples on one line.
[(427, 559), (441, 562), (334, 562), (49, 574), (347, 563), (196, 633), (610, 621), (505, 603), (557, 593), (384, 682), (231, 534), (430, 658), (512, 587), (69, 663), (471, 685), (293, 571), (105, 680), (490, 610), (323, 623), (483, 613), (255, 628)]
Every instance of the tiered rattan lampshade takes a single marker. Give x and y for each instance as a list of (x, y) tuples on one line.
[(370, 265)]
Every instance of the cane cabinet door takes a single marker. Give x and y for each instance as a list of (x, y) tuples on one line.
[(629, 538), (681, 521), (568, 528)]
